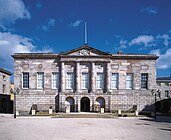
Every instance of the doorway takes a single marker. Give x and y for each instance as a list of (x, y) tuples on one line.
[(85, 104)]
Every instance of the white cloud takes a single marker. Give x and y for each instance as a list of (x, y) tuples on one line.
[(123, 44), (156, 52), (166, 39), (13, 43), (150, 10), (10, 11), (76, 23), (147, 40), (164, 60), (50, 23)]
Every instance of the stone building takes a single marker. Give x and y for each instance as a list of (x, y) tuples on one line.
[(164, 85), (164, 99), (5, 86), (85, 79)]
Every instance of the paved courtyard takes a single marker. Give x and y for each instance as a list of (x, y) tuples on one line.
[(84, 129)]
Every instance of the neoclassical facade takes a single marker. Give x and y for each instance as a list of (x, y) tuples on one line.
[(85, 79)]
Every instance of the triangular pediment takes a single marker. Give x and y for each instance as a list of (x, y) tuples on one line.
[(85, 50)]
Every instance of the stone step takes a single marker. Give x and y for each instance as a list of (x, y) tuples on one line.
[(78, 115)]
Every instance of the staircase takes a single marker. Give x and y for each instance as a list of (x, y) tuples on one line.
[(84, 115)]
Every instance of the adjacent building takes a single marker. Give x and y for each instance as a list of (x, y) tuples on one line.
[(85, 79), (164, 86), (5, 86)]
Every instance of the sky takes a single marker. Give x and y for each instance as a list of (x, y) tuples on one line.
[(130, 26)]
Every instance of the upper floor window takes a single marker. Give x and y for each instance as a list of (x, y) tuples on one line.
[(129, 81), (3, 88), (55, 80), (144, 80), (3, 77), (25, 80), (166, 93), (114, 80), (159, 84), (70, 80), (167, 84), (40, 80), (85, 81), (99, 81)]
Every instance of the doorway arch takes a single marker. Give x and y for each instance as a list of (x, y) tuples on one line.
[(101, 102), (85, 104), (71, 102)]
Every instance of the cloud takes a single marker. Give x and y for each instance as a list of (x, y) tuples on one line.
[(10, 11), (13, 43), (76, 23), (146, 40), (50, 23), (156, 52), (166, 39), (150, 10), (164, 60), (123, 44)]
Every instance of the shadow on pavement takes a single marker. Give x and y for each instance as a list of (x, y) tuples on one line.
[(165, 119)]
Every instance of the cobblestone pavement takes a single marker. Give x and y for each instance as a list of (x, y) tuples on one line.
[(45, 128)]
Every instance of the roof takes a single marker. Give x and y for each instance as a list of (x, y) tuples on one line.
[(5, 71), (164, 79), (34, 56), (84, 47)]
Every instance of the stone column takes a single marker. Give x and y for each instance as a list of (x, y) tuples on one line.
[(62, 76), (108, 83), (77, 76), (93, 77)]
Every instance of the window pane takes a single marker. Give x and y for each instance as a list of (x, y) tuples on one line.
[(99, 81), (144, 80), (25, 80), (85, 81), (55, 80), (3, 90), (129, 81), (40, 80), (114, 81), (70, 80), (166, 93)]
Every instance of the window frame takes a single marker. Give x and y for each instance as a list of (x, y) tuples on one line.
[(100, 83), (128, 81), (146, 81), (55, 80), (3, 88), (113, 80), (23, 80), (85, 82), (70, 81), (42, 80)]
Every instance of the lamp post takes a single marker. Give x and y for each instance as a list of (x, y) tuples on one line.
[(14, 100), (155, 93)]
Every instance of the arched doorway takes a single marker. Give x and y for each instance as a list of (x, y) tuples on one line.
[(85, 104), (101, 102), (71, 102)]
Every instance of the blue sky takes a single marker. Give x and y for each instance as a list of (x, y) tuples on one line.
[(133, 26)]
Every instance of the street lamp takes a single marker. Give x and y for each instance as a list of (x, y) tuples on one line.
[(155, 93), (14, 100)]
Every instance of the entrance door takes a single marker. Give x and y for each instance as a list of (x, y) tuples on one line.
[(71, 103), (85, 104)]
